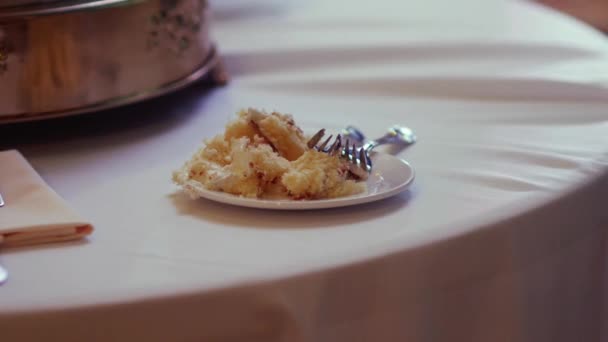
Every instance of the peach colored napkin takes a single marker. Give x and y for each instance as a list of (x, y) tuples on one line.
[(33, 213)]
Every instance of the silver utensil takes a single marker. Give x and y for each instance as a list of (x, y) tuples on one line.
[(398, 135), (1, 201), (359, 163), (359, 157), (3, 275), (353, 134)]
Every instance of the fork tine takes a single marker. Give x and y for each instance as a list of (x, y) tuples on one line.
[(352, 154), (344, 152), (356, 165), (315, 138), (335, 147), (322, 146), (359, 162), (358, 159), (364, 160)]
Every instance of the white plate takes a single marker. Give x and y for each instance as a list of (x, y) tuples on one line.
[(391, 176)]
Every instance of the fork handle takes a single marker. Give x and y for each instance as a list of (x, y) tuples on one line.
[(384, 140), (395, 135)]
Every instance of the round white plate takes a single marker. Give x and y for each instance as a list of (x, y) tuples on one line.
[(391, 176)]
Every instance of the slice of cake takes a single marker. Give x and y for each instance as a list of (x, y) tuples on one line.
[(265, 155), (319, 175), (282, 133)]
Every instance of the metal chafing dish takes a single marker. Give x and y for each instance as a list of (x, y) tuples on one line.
[(65, 57)]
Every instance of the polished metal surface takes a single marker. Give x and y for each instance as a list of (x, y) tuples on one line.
[(22, 8), (1, 201), (354, 135), (399, 135), (358, 159), (360, 163), (207, 70), (3, 275), (395, 135), (48, 3), (100, 57)]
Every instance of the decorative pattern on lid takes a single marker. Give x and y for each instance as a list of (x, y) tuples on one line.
[(176, 25)]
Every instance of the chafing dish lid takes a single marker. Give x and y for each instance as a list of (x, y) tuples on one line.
[(17, 8)]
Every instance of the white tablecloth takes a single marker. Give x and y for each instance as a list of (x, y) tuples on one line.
[(502, 237)]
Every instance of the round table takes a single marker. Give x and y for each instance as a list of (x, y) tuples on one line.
[(502, 236)]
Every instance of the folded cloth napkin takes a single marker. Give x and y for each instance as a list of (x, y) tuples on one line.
[(33, 213)]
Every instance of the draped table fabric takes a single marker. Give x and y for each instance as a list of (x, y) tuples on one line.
[(502, 236)]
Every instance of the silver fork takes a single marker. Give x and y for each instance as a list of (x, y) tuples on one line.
[(360, 163)]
